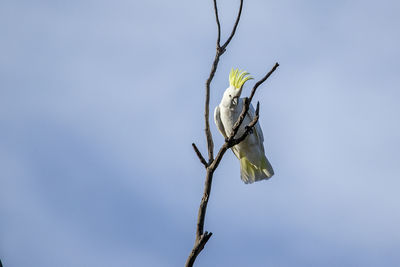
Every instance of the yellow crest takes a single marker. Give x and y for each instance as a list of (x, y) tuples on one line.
[(238, 78)]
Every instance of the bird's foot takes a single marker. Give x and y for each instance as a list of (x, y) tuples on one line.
[(249, 129)]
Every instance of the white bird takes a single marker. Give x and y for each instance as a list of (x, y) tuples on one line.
[(254, 165)]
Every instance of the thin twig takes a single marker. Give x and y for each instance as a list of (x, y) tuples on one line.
[(210, 143), (253, 91), (218, 24), (219, 52), (234, 27), (201, 158)]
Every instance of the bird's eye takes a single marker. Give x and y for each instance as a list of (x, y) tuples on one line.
[(230, 96)]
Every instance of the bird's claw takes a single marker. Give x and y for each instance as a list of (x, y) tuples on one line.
[(249, 129)]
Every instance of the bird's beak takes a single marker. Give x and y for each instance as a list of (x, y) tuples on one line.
[(235, 100)]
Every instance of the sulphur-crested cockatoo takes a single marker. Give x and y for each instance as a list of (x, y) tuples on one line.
[(254, 165)]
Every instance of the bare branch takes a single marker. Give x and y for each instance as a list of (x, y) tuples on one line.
[(203, 204), (219, 156), (201, 236), (201, 158), (230, 142), (218, 24), (198, 247), (247, 102), (234, 27), (253, 91), (210, 143)]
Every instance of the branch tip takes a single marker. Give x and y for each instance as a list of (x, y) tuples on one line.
[(235, 26), (218, 24), (199, 155)]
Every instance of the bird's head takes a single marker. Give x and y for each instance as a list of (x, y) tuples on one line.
[(236, 81)]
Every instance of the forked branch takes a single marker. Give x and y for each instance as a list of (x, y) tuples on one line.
[(198, 153), (219, 51), (234, 27), (212, 163)]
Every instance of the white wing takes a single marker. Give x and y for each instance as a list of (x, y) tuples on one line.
[(221, 128), (218, 122)]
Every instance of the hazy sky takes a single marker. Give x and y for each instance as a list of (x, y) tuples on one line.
[(101, 100)]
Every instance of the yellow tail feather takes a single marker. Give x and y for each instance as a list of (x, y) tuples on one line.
[(250, 173)]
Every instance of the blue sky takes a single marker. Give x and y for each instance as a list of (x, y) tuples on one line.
[(100, 102)]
